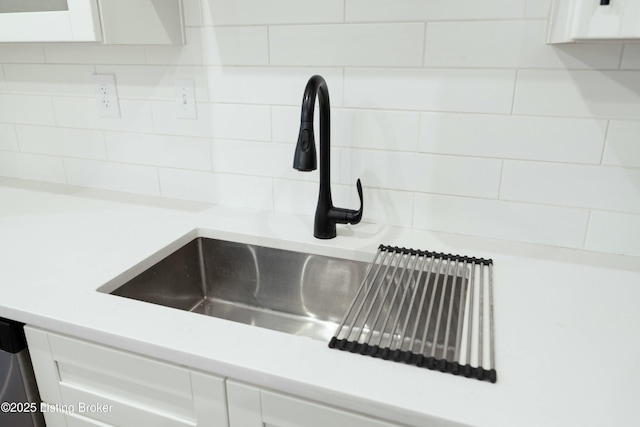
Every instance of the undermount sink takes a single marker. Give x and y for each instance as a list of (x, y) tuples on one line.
[(288, 291)]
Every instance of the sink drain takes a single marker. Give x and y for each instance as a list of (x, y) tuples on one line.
[(427, 309)]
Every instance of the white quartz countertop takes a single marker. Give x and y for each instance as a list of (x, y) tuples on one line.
[(567, 322)]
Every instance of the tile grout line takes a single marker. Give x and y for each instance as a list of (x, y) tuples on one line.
[(605, 142), (587, 228)]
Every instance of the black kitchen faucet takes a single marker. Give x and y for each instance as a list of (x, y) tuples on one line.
[(327, 216)]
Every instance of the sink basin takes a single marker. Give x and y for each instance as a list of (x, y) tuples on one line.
[(288, 291)]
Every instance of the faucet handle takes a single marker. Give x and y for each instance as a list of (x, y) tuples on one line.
[(347, 216), (354, 217)]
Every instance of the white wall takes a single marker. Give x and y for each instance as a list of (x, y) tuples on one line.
[(454, 113)]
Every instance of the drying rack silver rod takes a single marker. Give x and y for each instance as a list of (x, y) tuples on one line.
[(440, 307), (422, 298), (470, 321), (431, 302), (492, 347), (481, 318), (400, 306), (416, 281), (450, 313), (388, 287), (463, 287), (360, 291), (386, 319), (377, 316)]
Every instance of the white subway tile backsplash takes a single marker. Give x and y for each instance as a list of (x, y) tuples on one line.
[(334, 45), (135, 116), (355, 128), (456, 115), (159, 150), (465, 176), (596, 187), (231, 121), (285, 123), (478, 90), (384, 206), (32, 166), (262, 85), (432, 10), (503, 220), (166, 121), (623, 144), (510, 44), (155, 81), (191, 53), (298, 197), (266, 159), (192, 10), (614, 232), (513, 137), (56, 141), (233, 190), (382, 130), (28, 109), (112, 176), (236, 45), (253, 158), (598, 94), (256, 12), (537, 8), (72, 80), (8, 139), (79, 53), (3, 84)]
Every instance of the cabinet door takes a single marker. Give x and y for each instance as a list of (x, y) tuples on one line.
[(80, 22), (630, 28), (250, 406), (104, 386), (107, 21), (279, 410), (589, 20), (593, 21)]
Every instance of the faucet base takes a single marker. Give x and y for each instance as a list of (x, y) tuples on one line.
[(325, 236), (325, 231)]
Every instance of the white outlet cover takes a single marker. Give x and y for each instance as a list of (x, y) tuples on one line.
[(185, 99), (106, 95)]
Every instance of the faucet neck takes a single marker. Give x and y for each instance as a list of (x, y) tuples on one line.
[(317, 88), (304, 159)]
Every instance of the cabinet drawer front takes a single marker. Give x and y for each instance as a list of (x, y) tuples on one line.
[(104, 386), (74, 420), (284, 411), (119, 412), (146, 390), (79, 360)]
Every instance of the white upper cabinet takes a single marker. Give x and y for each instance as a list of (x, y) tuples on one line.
[(97, 21), (594, 20)]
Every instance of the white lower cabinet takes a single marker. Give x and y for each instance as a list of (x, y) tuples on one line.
[(250, 406), (86, 384), (83, 384)]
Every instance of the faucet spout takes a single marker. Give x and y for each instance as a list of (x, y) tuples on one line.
[(327, 215)]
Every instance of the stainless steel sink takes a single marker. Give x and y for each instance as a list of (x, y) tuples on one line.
[(294, 292)]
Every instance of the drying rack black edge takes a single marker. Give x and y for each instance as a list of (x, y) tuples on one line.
[(416, 359), (456, 257)]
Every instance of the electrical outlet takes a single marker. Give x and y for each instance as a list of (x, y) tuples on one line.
[(106, 95), (185, 99)]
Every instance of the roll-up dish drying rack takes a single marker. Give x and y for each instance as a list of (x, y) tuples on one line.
[(427, 309)]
